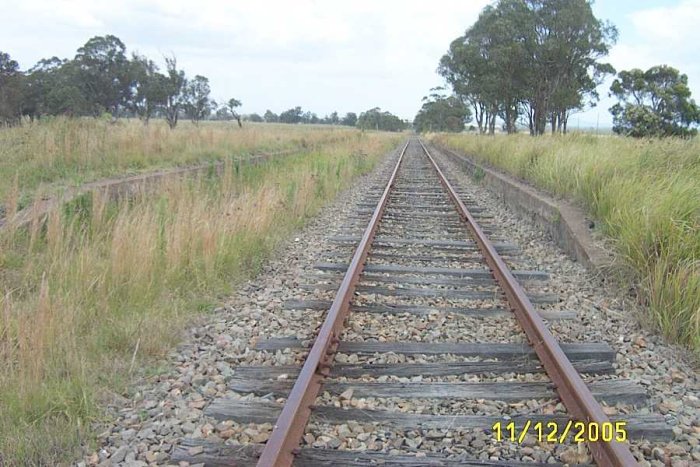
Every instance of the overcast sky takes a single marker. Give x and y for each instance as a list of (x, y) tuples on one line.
[(325, 55)]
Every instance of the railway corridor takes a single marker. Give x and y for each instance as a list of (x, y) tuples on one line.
[(416, 355), (426, 363)]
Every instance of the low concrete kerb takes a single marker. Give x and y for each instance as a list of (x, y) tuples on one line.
[(128, 186), (563, 221)]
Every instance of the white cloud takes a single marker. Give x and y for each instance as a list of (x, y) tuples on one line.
[(665, 35), (323, 55), (73, 13), (662, 35), (670, 26)]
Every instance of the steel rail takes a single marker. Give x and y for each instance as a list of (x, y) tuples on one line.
[(571, 389), (289, 427)]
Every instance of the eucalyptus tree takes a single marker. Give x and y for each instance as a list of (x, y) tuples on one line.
[(564, 48), (53, 87), (196, 98), (537, 57), (441, 113), (655, 102), (293, 115), (148, 87), (271, 117), (309, 117), (232, 105), (486, 66), (40, 80), (375, 119), (501, 34), (175, 84), (333, 118), (103, 70), (350, 119), (465, 68), (10, 89)]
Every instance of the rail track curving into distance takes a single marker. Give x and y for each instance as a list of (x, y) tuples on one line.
[(424, 258)]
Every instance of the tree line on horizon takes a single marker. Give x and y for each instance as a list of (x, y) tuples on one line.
[(533, 63), (297, 115), (372, 119), (103, 79)]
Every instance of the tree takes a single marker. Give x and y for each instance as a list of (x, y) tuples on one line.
[(175, 84), (53, 88), (350, 119), (40, 81), (104, 73), (309, 117), (655, 102), (221, 113), (292, 115), (564, 50), (540, 57), (148, 87), (484, 66), (196, 97), (232, 105), (254, 118), (441, 113), (214, 107), (271, 117), (101, 79), (10, 89), (375, 119)]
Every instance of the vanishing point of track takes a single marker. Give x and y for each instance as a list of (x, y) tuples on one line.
[(421, 218)]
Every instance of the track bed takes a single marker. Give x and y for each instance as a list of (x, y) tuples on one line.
[(425, 355)]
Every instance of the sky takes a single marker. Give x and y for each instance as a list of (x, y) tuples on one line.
[(325, 56)]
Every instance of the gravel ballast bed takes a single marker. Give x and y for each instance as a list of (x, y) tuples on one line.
[(668, 372), (164, 409)]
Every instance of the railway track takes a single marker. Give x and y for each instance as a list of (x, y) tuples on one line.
[(434, 342)]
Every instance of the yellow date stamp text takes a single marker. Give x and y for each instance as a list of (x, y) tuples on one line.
[(555, 432)]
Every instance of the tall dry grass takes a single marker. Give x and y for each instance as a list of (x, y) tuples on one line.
[(646, 195), (101, 281), (56, 152)]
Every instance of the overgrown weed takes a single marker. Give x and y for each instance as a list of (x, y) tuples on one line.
[(646, 195), (101, 281)]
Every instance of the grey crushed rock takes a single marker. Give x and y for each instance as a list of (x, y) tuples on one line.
[(667, 371), (169, 407)]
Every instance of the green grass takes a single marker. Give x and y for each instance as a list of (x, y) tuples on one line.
[(56, 152), (646, 194), (100, 279)]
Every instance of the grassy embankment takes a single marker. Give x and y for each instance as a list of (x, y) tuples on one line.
[(49, 155), (646, 195), (103, 281)]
